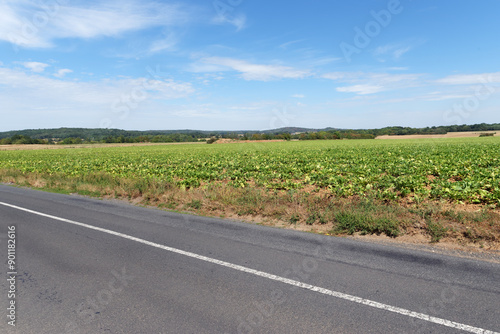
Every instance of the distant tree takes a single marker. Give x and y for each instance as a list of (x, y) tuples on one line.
[(212, 140), (71, 141), (285, 136)]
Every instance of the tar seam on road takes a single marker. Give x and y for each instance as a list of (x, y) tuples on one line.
[(302, 285)]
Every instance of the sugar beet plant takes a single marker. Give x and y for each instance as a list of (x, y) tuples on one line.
[(465, 169)]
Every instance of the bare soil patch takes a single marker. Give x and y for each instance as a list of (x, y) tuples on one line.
[(448, 135)]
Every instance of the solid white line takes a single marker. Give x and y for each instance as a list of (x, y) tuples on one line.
[(306, 286)]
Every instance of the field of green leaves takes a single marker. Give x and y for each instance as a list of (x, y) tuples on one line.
[(465, 169)]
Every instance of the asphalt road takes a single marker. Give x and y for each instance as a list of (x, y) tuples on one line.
[(94, 266)]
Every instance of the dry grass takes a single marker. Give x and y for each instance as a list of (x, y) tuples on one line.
[(448, 135), (309, 209)]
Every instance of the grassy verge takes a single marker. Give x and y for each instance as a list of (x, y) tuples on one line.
[(311, 209)]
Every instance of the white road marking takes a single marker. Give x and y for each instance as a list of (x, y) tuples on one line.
[(306, 286)]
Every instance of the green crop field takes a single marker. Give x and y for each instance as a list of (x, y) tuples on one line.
[(442, 188), (466, 170)]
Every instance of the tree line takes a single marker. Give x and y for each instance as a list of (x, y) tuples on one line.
[(86, 136), (173, 138)]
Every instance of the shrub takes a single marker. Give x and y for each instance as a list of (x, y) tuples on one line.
[(212, 140)]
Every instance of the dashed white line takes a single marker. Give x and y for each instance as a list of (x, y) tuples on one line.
[(302, 285)]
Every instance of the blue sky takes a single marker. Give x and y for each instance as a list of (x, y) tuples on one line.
[(241, 64)]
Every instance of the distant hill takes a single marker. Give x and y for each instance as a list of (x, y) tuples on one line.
[(100, 134), (292, 130), (95, 135)]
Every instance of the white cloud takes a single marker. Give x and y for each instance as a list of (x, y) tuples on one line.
[(30, 23), (438, 97), (35, 66), (299, 96), (383, 50), (399, 52), (250, 71), (208, 78), (371, 83), (61, 73), (344, 76), (361, 89), (166, 44), (322, 61), (28, 93), (163, 89), (471, 79)]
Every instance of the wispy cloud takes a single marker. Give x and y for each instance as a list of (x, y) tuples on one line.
[(287, 44), (238, 20), (471, 79), (165, 44), (250, 71), (104, 19), (371, 83), (361, 89), (394, 51), (298, 96), (399, 52), (443, 96), (322, 61)]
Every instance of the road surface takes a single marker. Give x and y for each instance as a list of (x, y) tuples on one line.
[(94, 266)]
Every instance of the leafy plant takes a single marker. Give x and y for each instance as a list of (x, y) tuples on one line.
[(461, 170), (436, 231), (195, 204), (294, 218)]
